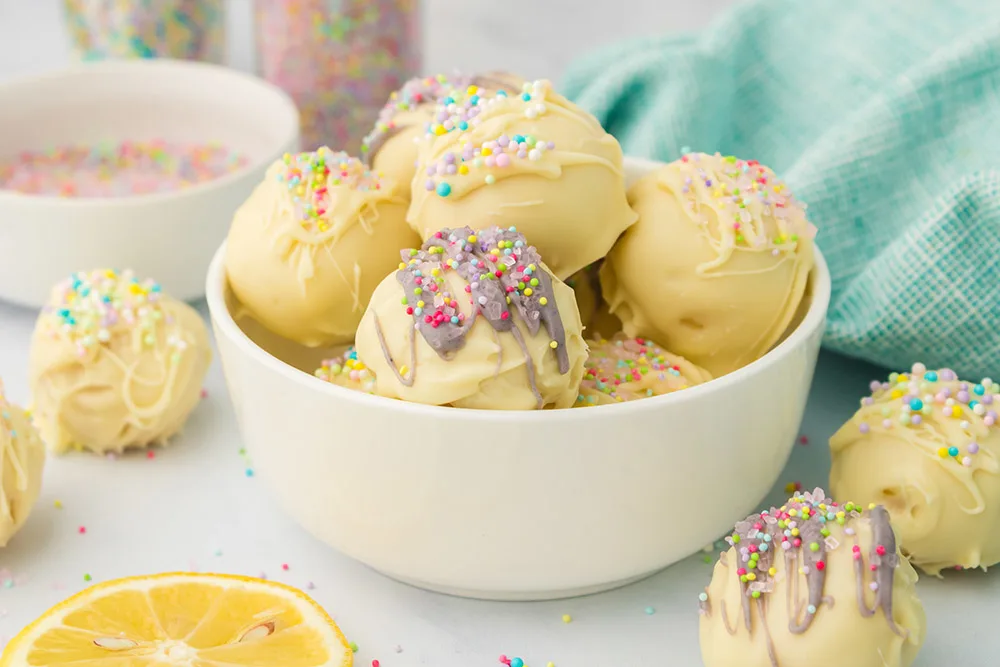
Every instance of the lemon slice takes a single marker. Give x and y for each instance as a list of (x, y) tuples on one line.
[(194, 620)]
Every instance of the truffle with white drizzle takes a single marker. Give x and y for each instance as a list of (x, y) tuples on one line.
[(815, 583), (22, 458), (476, 320), (716, 266), (529, 159), (115, 363), (926, 445), (307, 249)]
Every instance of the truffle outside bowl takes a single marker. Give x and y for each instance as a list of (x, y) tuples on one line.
[(168, 236), (517, 505)]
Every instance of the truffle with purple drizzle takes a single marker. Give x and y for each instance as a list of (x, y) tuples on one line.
[(812, 583), (474, 320)]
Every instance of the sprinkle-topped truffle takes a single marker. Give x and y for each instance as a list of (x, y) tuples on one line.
[(89, 308), (313, 177), (416, 92), (626, 369), (503, 278), (926, 444), (347, 371), (755, 209), (906, 400), (783, 557)]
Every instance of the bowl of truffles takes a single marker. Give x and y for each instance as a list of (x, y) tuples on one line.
[(491, 356)]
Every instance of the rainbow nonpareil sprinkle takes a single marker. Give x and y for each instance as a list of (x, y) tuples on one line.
[(918, 398), (347, 371), (312, 178), (120, 169), (188, 29), (339, 61), (90, 308)]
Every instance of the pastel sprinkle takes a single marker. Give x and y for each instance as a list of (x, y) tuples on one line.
[(567, 618), (109, 170)]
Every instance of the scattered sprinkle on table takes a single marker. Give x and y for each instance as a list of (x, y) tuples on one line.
[(354, 647), (87, 577), (109, 169), (567, 618), (83, 530), (649, 611), (58, 504)]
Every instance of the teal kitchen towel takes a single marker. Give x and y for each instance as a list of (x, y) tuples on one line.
[(884, 118)]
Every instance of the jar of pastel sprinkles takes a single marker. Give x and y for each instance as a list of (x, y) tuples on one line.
[(339, 60), (184, 29)]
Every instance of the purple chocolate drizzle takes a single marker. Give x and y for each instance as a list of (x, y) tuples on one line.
[(504, 278), (800, 532)]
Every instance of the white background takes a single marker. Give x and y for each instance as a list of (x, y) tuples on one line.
[(193, 507)]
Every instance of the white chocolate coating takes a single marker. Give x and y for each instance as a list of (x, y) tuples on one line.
[(711, 275), (626, 369), (308, 247), (866, 611), (115, 363), (540, 164), (939, 478), (22, 459), (477, 366)]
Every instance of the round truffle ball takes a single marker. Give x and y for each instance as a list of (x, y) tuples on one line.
[(474, 320), (532, 160), (347, 371), (717, 264), (391, 147), (926, 445), (22, 459), (625, 369), (115, 363), (812, 582), (308, 247)]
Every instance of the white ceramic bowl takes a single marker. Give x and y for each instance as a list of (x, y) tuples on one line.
[(517, 505), (169, 237)]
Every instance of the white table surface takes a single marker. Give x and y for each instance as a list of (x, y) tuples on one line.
[(193, 507)]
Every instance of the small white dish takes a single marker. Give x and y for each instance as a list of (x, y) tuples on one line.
[(169, 237), (517, 505)]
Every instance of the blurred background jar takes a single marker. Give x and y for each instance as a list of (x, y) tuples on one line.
[(186, 29), (339, 60)]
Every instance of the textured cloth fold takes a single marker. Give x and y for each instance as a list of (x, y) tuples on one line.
[(883, 117)]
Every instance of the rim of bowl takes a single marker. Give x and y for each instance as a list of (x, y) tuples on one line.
[(815, 319), (112, 66)]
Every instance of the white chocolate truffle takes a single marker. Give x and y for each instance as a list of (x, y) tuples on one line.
[(717, 264), (626, 369), (308, 247), (534, 161), (22, 459), (926, 445), (391, 147), (812, 583), (347, 371), (115, 363), (474, 320)]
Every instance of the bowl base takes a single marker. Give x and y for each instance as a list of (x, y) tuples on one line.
[(516, 595)]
